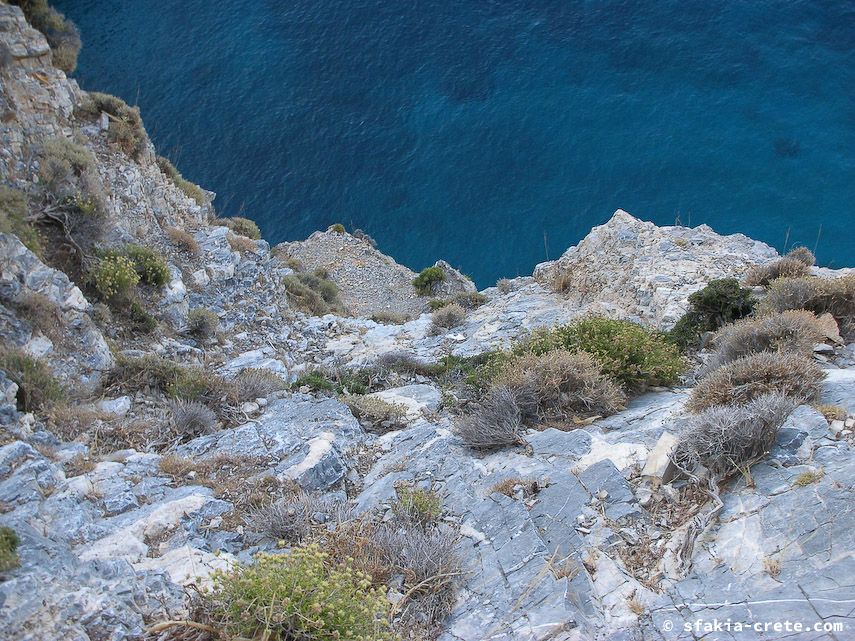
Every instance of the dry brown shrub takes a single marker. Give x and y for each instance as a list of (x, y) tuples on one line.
[(183, 239), (785, 267)]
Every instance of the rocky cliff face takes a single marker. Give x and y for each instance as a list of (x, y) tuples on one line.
[(118, 510)]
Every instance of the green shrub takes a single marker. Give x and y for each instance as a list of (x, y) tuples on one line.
[(559, 386), (470, 300), (9, 542), (626, 352), (13, 219), (422, 507), (149, 264), (720, 302), (437, 303), (202, 322), (835, 296), (316, 380), (126, 126), (133, 374), (426, 282), (752, 376), (190, 189), (241, 226), (115, 277), (67, 170), (313, 293), (299, 595), (786, 267), (336, 228), (142, 321), (60, 32), (37, 387)]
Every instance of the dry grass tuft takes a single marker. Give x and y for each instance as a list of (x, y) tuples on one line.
[(375, 414), (242, 244), (818, 295), (445, 318), (183, 240), (785, 267), (253, 383), (497, 422)]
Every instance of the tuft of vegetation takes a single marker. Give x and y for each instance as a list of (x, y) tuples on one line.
[(141, 320), (792, 331), (126, 127), (343, 381), (37, 387), (559, 386), (626, 352), (336, 228), (496, 423), (470, 300), (132, 374), (42, 313), (832, 412), (437, 303), (445, 318), (786, 267), (749, 377), (241, 226), (202, 323), (60, 32), (115, 277), (809, 478), (724, 438), (150, 265), (719, 303), (835, 296), (802, 254), (241, 244), (389, 318), (183, 240), (313, 293), (191, 190), (316, 380), (510, 486), (293, 519), (9, 543), (417, 506), (376, 414), (505, 285), (299, 595), (253, 383), (192, 419), (427, 281), (68, 172), (13, 219)]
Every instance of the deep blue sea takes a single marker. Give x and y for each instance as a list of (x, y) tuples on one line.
[(496, 133)]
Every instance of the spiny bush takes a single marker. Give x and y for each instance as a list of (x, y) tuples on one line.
[(786, 267), (190, 190), (241, 226), (313, 293), (389, 318), (560, 386), (751, 376), (183, 240), (719, 303), (470, 300), (13, 219), (241, 244), (68, 171), (802, 254), (792, 331), (176, 381), (115, 277), (504, 285), (835, 296), (723, 438), (628, 353), (426, 282), (192, 419), (150, 265), (496, 422), (284, 597), (9, 542), (292, 519), (37, 387), (253, 383), (202, 322), (449, 316), (126, 126), (60, 32), (417, 506), (376, 414)]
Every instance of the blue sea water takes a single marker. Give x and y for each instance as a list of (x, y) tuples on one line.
[(494, 133)]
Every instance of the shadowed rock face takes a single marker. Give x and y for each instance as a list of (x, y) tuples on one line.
[(581, 542)]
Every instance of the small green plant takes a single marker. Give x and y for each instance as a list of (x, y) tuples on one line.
[(336, 228), (60, 32), (315, 380), (832, 412), (9, 542), (416, 505), (149, 264), (13, 219), (426, 282), (202, 322), (719, 303), (115, 277), (634, 356), (299, 595), (437, 303), (313, 293), (143, 321), (190, 190), (241, 226), (37, 387), (126, 126)]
